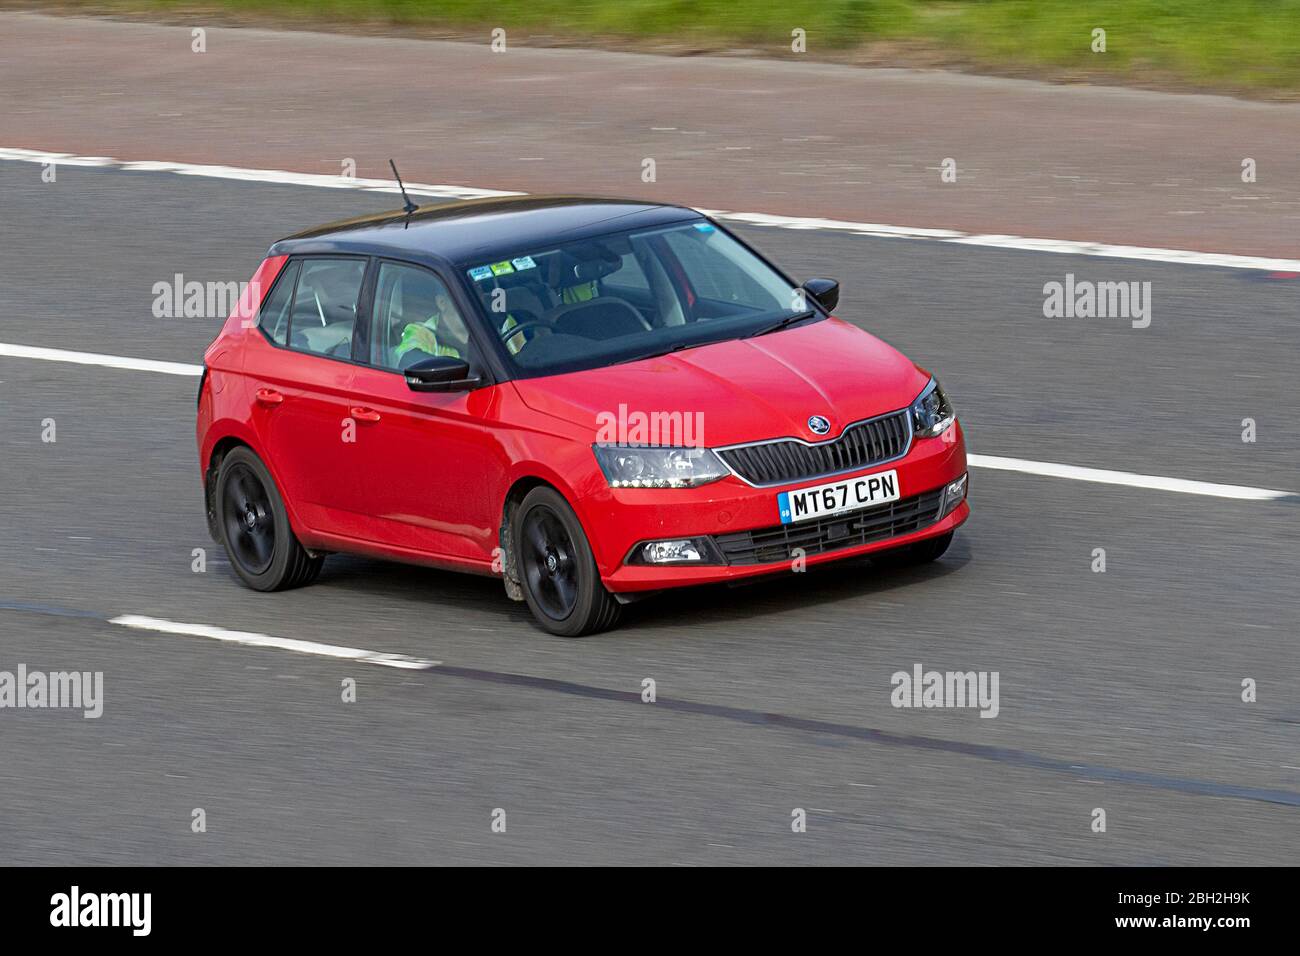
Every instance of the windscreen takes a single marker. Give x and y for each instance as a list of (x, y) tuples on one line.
[(629, 295)]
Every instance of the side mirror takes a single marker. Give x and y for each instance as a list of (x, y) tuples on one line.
[(825, 291), (439, 374)]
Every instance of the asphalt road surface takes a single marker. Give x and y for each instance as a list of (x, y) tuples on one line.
[(1118, 690)]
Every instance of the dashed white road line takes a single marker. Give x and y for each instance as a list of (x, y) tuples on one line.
[(875, 229), (251, 175), (252, 639), (1045, 469), (93, 358), (1048, 469)]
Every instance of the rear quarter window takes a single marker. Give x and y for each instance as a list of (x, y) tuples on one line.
[(274, 315)]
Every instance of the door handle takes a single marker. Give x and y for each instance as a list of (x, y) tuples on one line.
[(269, 396), (362, 414)]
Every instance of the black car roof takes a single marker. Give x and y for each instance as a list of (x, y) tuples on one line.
[(475, 231)]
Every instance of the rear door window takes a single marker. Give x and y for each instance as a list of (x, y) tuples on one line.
[(324, 313)]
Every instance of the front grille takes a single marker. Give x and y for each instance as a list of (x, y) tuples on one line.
[(781, 462), (880, 523)]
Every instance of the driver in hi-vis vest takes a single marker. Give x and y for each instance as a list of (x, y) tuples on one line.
[(423, 334)]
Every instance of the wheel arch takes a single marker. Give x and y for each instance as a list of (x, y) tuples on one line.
[(230, 439), (220, 450), (515, 494)]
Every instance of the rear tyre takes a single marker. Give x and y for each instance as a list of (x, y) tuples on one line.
[(557, 568), (923, 552), (254, 527)]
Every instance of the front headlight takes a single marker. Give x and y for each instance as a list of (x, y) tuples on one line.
[(932, 413), (631, 466)]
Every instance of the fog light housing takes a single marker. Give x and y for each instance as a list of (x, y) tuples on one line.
[(953, 495), (675, 551)]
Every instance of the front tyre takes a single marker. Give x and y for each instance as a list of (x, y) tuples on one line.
[(557, 568), (254, 527)]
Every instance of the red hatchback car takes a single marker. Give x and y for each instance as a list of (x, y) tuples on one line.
[(592, 399)]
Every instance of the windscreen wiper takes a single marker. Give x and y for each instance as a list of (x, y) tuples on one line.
[(666, 350), (782, 323)]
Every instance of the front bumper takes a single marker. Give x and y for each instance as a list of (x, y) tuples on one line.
[(742, 522)]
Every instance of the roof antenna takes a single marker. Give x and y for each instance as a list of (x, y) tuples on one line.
[(409, 206)]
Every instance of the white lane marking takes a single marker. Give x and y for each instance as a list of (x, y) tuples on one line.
[(875, 229), (1049, 469), (251, 639), (93, 358), (1045, 469), (252, 175)]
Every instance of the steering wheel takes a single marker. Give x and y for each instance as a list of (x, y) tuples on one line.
[(518, 327)]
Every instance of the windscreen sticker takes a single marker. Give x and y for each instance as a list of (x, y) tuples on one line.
[(501, 268), (479, 273), (704, 226), (524, 262)]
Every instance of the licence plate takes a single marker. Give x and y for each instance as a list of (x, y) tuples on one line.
[(837, 497)]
